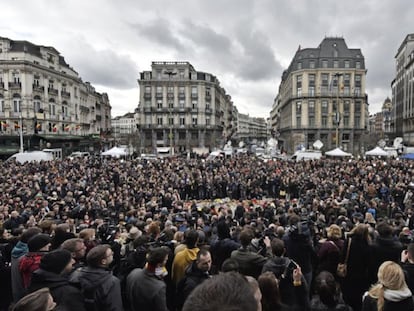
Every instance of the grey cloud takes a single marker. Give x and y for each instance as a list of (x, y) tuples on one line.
[(257, 61), (161, 32), (206, 38), (103, 67)]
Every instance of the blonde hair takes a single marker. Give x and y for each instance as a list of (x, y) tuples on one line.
[(390, 276), (334, 232)]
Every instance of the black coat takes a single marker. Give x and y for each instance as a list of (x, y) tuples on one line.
[(221, 250), (381, 250), (282, 268), (193, 278), (299, 248), (65, 294), (317, 305), (106, 287), (408, 269), (355, 284), (404, 303)]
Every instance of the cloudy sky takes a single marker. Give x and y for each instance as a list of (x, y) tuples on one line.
[(245, 43)]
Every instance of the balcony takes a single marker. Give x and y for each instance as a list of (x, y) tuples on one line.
[(158, 95), (181, 95), (38, 88), (15, 85), (147, 95), (170, 95), (209, 111), (52, 91), (208, 97), (65, 94), (194, 95), (147, 109)]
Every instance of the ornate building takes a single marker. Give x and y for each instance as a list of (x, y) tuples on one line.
[(322, 97), (43, 98), (403, 91), (182, 109)]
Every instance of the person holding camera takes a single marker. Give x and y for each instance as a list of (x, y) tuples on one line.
[(250, 263), (292, 292)]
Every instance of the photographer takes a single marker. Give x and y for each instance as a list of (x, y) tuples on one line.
[(283, 267), (250, 263)]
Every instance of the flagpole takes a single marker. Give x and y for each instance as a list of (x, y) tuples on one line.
[(21, 132)]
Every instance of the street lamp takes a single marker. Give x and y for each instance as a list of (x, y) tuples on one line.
[(337, 115), (21, 132)]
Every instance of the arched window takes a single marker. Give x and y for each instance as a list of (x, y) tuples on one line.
[(37, 104)]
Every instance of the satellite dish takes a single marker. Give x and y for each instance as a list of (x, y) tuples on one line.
[(241, 144), (397, 142), (229, 143), (318, 144)]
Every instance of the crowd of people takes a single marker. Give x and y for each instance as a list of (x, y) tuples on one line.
[(229, 234)]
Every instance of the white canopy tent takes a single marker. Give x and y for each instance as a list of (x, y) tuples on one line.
[(115, 152), (337, 152), (376, 152)]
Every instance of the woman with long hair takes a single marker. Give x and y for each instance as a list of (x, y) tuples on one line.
[(355, 283), (390, 292), (269, 287), (330, 249), (327, 294)]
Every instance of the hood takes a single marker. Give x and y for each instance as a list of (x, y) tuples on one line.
[(42, 278), (397, 295), (278, 265), (19, 250), (92, 277), (30, 262), (195, 271), (388, 242)]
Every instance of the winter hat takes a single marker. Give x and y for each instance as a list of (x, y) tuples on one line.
[(38, 241), (55, 261)]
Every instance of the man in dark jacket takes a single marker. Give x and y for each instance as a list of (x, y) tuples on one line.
[(407, 264), (100, 288), (283, 267), (145, 288), (18, 253), (222, 248), (250, 263), (384, 248), (196, 274), (54, 267)]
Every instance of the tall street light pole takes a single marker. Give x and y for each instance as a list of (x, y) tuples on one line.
[(21, 132)]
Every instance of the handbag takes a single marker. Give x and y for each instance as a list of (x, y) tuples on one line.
[(342, 268)]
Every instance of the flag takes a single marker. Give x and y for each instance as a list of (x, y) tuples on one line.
[(78, 127), (16, 125), (38, 126), (55, 128), (67, 127), (4, 124)]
